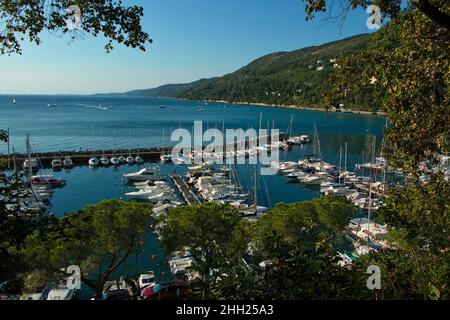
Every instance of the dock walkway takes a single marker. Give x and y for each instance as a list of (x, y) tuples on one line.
[(184, 189)]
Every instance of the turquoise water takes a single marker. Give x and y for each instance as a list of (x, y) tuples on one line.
[(76, 123)]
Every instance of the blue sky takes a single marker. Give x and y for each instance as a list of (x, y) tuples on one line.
[(193, 39)]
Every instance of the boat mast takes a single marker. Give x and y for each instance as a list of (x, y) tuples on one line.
[(30, 166), (9, 160), (345, 160), (291, 125), (255, 196), (368, 213), (340, 163), (114, 146), (129, 138), (314, 141)]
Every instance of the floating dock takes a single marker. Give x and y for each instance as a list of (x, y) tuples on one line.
[(185, 191)]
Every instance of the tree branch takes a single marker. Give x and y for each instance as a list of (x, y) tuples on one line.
[(439, 17)]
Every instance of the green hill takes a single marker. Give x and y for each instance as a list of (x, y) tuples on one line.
[(168, 90), (284, 78)]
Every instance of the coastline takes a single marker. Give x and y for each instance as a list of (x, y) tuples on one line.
[(262, 104)]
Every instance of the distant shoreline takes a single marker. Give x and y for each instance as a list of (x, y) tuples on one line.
[(262, 104)]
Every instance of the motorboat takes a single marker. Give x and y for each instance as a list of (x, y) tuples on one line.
[(149, 173), (149, 183), (146, 279), (57, 164), (311, 179), (94, 162), (61, 292), (130, 160), (104, 161), (138, 160), (67, 163), (163, 196), (122, 159), (33, 163), (165, 158), (146, 193), (47, 179), (113, 290), (115, 161)]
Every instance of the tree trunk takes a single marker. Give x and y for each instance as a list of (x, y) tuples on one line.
[(439, 17)]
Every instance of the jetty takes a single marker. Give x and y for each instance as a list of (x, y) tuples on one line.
[(185, 190), (81, 157)]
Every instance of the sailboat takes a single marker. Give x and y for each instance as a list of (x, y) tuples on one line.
[(165, 157), (130, 159), (104, 160), (114, 160), (138, 159), (255, 210)]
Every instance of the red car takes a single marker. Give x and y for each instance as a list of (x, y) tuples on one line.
[(165, 291)]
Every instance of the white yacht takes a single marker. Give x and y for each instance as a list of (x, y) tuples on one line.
[(104, 161), (138, 160), (130, 160), (311, 179), (165, 158), (145, 193), (57, 164), (94, 162), (67, 163), (60, 292), (33, 163), (299, 139), (147, 279), (163, 196), (115, 161), (149, 173)]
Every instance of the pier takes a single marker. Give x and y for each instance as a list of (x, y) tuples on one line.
[(81, 158), (184, 189)]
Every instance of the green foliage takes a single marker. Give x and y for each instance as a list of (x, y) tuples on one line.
[(98, 239), (307, 273), (289, 222), (285, 78), (216, 235), (28, 19), (409, 60), (15, 224), (422, 213)]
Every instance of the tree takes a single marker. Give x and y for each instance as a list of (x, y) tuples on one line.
[(417, 266), (301, 242), (110, 18), (289, 222), (98, 239), (216, 235), (435, 10), (16, 223), (408, 60)]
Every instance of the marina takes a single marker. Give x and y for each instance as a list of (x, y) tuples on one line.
[(311, 164)]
